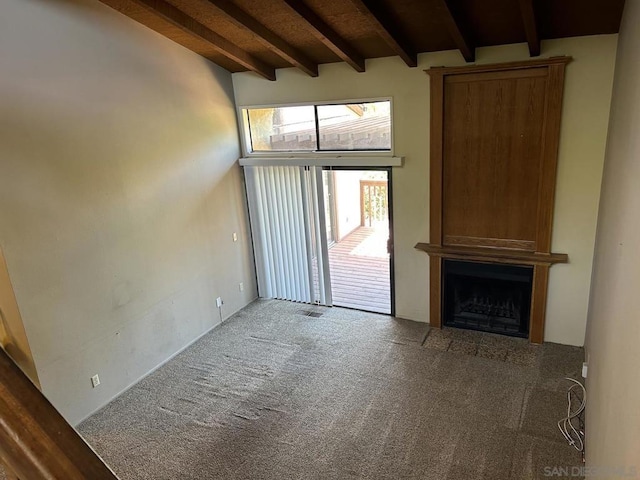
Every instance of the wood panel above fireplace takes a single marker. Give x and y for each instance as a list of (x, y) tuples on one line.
[(494, 143)]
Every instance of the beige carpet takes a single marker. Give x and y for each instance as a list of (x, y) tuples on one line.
[(276, 394)]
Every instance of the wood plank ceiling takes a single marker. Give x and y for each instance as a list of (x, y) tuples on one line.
[(264, 35)]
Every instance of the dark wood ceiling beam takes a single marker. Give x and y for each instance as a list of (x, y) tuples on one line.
[(459, 36), (530, 26), (242, 19), (327, 35), (186, 23), (389, 30)]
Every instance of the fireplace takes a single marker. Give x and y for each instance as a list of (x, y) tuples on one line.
[(493, 154), (487, 296)]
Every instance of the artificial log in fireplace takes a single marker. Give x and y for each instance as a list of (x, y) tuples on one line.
[(494, 142), (487, 296)]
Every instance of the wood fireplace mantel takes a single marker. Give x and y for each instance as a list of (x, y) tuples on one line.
[(539, 261), (493, 255), (495, 131)]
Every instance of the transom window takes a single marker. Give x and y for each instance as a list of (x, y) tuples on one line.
[(363, 126)]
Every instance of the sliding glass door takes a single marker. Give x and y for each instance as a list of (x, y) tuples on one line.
[(322, 236)]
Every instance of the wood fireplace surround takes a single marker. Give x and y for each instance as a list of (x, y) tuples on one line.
[(494, 143)]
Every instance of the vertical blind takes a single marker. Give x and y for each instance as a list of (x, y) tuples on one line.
[(286, 210)]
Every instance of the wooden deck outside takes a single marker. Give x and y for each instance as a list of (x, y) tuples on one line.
[(359, 266)]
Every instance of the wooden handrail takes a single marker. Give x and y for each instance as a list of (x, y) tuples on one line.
[(36, 442), (8, 474)]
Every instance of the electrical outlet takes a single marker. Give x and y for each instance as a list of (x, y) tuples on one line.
[(241, 286), (585, 367), (219, 302), (235, 237), (95, 381)]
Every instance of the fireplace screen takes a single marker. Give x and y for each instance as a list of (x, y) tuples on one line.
[(489, 297)]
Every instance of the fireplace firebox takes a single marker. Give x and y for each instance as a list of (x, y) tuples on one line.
[(488, 297)]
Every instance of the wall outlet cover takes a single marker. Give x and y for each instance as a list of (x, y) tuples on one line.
[(95, 381)]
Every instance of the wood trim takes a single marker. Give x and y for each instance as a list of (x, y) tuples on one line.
[(530, 26), (496, 67), (8, 473), (532, 72), (538, 303), (191, 26), (35, 440), (497, 255), (388, 30), (271, 40), (436, 159), (536, 253), (327, 35), (435, 292), (526, 245), (458, 34), (548, 166)]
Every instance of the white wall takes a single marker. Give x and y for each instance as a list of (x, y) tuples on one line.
[(613, 334), (119, 194), (347, 185), (584, 129)]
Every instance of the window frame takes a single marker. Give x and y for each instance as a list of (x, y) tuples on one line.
[(245, 132)]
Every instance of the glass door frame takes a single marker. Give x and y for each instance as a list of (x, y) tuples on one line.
[(391, 242)]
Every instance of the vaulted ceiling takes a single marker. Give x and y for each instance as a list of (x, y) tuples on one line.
[(263, 35)]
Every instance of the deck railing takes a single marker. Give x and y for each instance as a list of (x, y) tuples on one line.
[(373, 202), (36, 442)]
